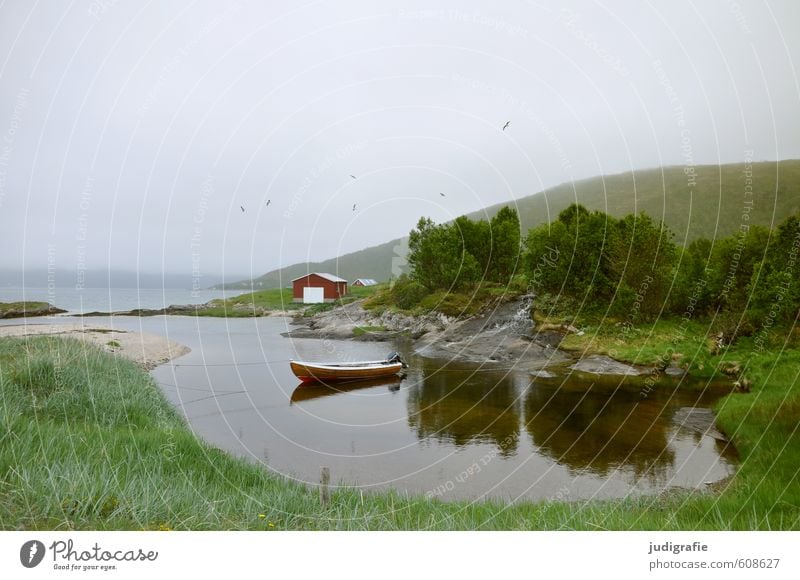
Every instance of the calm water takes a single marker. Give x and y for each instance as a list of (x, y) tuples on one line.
[(112, 299), (446, 430)]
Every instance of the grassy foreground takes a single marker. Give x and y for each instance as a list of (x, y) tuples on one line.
[(87, 441)]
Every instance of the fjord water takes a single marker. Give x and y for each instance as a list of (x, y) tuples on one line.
[(448, 430), (77, 301)]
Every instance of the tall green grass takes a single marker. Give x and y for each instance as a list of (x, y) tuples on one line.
[(87, 441)]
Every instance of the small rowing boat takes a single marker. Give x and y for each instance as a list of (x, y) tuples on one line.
[(324, 372)]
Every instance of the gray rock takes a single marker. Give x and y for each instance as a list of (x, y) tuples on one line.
[(674, 371), (604, 365), (698, 420)]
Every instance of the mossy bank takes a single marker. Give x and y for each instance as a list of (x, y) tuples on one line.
[(27, 309)]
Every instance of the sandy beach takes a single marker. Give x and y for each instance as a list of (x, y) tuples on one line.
[(147, 350)]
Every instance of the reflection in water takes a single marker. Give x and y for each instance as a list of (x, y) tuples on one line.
[(599, 431), (309, 391), (462, 406), (591, 429)]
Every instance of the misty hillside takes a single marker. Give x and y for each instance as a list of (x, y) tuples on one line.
[(712, 208), (375, 262), (709, 204)]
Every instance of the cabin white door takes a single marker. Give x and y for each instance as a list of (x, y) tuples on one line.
[(312, 295)]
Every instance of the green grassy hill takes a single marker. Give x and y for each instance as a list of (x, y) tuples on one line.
[(711, 207)]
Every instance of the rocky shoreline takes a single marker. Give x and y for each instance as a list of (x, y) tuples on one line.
[(503, 335), (506, 335), (174, 309), (185, 310), (31, 309)]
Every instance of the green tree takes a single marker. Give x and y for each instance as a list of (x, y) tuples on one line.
[(476, 238), (642, 256), (691, 295), (774, 288), (588, 274), (544, 266), (421, 253), (734, 262), (438, 258), (505, 245), (570, 257)]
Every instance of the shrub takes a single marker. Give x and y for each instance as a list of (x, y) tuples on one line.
[(408, 293)]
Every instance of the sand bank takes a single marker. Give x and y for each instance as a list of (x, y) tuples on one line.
[(147, 350)]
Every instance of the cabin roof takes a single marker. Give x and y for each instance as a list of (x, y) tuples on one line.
[(329, 277)]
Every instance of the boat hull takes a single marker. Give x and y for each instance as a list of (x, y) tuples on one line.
[(315, 372)]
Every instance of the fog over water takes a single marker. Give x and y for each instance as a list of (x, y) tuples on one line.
[(233, 139)]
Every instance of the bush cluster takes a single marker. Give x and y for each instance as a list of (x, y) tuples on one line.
[(629, 267)]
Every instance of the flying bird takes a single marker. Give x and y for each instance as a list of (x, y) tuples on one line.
[(353, 176), (443, 195), (354, 207), (269, 201), (242, 208), (506, 125)]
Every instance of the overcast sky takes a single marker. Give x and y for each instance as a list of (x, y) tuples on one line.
[(131, 133)]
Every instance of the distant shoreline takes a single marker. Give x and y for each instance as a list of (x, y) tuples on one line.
[(107, 300), (27, 309)]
